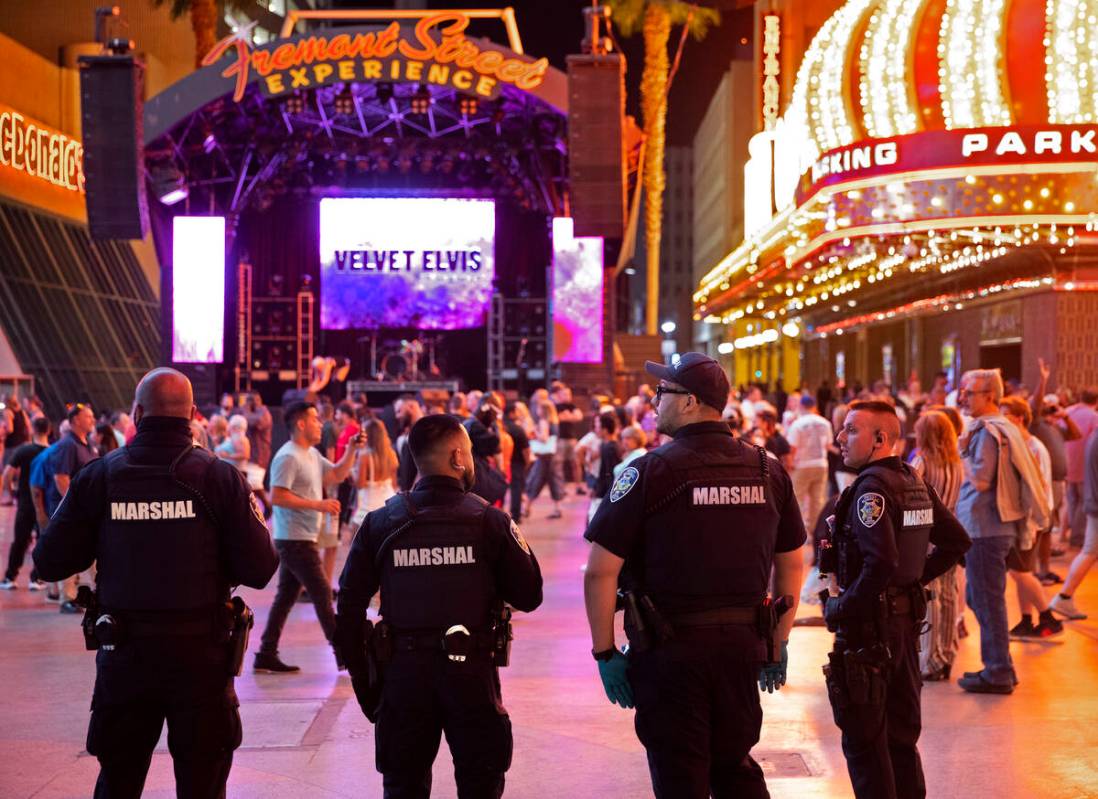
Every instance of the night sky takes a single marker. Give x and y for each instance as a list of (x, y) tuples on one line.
[(554, 29)]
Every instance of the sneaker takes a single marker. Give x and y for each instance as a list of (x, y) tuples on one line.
[(52, 596), (1023, 629), (37, 585), (1050, 578), (1058, 552), (68, 606), (1066, 608), (976, 684), (1048, 626), (271, 664), (7, 585)]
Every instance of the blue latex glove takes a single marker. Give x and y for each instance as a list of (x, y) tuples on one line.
[(615, 681), (772, 676)]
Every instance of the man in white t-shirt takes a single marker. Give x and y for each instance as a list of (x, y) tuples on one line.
[(811, 438), (298, 476)]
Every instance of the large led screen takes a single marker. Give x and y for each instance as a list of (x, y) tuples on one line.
[(405, 262), (577, 295), (198, 289)]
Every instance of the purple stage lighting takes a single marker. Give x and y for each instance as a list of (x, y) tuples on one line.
[(405, 262), (198, 289), (577, 295)]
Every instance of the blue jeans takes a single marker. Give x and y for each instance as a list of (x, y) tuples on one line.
[(985, 567)]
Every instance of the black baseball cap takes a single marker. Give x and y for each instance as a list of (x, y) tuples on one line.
[(699, 374)]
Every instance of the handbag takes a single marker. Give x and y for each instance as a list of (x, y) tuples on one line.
[(547, 447)]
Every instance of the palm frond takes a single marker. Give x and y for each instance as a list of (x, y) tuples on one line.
[(699, 19), (627, 16)]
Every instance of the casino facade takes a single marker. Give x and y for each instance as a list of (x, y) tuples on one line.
[(933, 185)]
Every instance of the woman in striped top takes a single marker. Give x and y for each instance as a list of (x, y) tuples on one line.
[(938, 460)]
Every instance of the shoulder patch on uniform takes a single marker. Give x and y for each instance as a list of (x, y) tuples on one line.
[(516, 533), (871, 506), (256, 510), (624, 484)]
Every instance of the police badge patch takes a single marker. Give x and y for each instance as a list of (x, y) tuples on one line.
[(871, 506), (624, 484), (516, 533)]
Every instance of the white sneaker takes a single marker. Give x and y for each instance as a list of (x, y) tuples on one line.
[(813, 584), (7, 585), (37, 585), (1066, 608)]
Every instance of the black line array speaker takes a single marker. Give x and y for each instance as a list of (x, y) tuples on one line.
[(112, 89), (596, 152)]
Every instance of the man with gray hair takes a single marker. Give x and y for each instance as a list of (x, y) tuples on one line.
[(1001, 503)]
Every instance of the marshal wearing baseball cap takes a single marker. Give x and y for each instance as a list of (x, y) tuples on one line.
[(697, 373)]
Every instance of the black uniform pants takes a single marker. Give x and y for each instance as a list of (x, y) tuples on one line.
[(142, 684), (880, 731), (25, 525), (426, 695), (698, 714)]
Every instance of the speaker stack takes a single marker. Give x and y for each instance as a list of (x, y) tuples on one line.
[(111, 111), (596, 152)]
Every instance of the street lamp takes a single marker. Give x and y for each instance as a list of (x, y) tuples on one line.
[(667, 346)]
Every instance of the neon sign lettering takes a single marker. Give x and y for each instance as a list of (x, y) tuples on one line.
[(42, 153), (452, 60), (771, 70), (1040, 142)]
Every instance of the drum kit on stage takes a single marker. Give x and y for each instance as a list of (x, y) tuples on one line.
[(405, 360)]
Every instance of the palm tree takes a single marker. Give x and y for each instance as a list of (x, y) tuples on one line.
[(204, 15), (655, 18)]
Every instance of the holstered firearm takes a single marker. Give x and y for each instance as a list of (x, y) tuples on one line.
[(241, 622), (644, 625), (767, 624), (87, 599), (502, 636)]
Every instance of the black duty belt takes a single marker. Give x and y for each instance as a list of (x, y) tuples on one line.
[(434, 641), (714, 617), (170, 623)]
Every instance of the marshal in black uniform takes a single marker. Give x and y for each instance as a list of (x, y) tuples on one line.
[(445, 562), (693, 530), (171, 529), (883, 525)]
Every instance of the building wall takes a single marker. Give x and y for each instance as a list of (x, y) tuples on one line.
[(168, 46), (676, 246)]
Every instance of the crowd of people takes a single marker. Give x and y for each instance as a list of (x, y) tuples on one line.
[(1016, 465)]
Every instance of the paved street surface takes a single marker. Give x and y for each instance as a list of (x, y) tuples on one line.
[(305, 738)]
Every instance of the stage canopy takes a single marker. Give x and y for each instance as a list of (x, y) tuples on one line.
[(354, 110)]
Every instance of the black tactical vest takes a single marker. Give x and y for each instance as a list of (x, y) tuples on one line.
[(158, 544), (912, 514), (710, 525), (434, 567)]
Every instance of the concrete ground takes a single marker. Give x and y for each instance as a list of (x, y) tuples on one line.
[(305, 737)]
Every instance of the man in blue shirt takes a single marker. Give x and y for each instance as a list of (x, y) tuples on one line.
[(61, 463)]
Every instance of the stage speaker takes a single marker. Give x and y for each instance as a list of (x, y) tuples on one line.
[(596, 150), (111, 108)]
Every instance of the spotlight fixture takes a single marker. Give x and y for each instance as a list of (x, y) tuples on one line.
[(421, 100), (468, 106), (345, 102), (295, 103), (168, 184), (384, 93)]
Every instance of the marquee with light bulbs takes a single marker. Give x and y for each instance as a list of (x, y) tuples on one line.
[(934, 153)]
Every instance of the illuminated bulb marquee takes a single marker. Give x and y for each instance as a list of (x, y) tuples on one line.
[(923, 137)]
